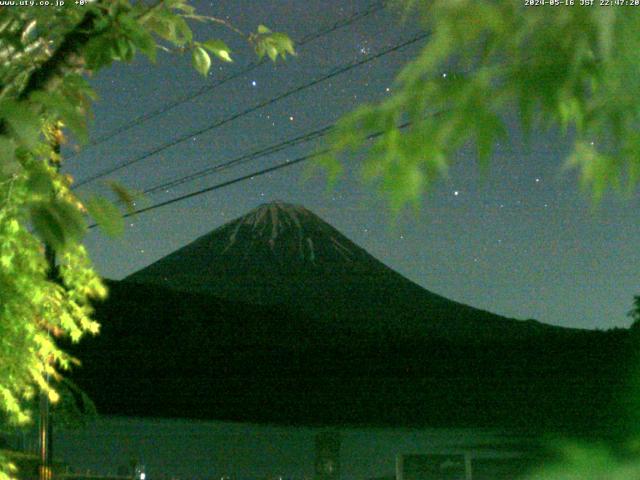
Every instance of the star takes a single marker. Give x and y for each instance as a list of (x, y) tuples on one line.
[(291, 119), (537, 180), (456, 193), (253, 83)]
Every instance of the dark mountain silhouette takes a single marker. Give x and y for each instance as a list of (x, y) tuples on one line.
[(281, 254), (277, 317)]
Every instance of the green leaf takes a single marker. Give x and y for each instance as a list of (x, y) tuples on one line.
[(125, 195), (272, 52), (263, 30), (58, 223), (283, 44), (98, 52), (170, 26), (106, 215), (201, 60), (66, 109), (605, 18), (39, 182), (24, 122), (138, 36), (147, 45), (8, 164), (219, 49), (123, 49)]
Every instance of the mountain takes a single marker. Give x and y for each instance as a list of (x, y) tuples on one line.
[(278, 317), (282, 254)]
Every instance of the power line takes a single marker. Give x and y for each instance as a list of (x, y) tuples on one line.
[(315, 134), (335, 72), (242, 178), (375, 7)]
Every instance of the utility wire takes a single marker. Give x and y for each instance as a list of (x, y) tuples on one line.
[(242, 178), (335, 72), (315, 134), (375, 7)]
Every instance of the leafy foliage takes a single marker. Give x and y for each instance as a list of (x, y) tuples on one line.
[(45, 55), (634, 313), (590, 462), (573, 68)]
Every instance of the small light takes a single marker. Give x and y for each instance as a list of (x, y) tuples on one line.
[(537, 180), (456, 193), (253, 83), (291, 119), (143, 476)]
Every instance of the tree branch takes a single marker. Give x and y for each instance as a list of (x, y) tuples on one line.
[(205, 18), (51, 70)]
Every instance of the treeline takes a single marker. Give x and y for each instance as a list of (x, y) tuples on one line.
[(166, 353)]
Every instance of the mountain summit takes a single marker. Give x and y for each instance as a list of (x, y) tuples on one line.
[(283, 254)]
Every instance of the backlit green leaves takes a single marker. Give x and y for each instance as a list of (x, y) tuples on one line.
[(272, 44), (200, 54), (126, 196), (36, 203), (106, 215), (588, 463), (169, 26), (58, 223), (578, 68), (23, 121), (9, 166), (201, 60), (219, 49)]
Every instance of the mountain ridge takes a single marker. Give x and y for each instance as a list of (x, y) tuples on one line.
[(280, 253), (340, 339)]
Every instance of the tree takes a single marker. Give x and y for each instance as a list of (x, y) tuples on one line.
[(560, 64), (563, 65), (44, 57), (634, 313)]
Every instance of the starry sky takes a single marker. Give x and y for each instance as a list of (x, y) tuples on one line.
[(523, 242)]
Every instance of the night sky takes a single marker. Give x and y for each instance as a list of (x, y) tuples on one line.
[(524, 242)]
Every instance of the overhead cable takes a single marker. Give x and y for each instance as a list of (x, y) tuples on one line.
[(335, 72)]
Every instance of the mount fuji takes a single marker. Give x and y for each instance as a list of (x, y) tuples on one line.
[(278, 317), (283, 254)]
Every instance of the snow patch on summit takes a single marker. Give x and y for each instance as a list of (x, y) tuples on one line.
[(270, 222)]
